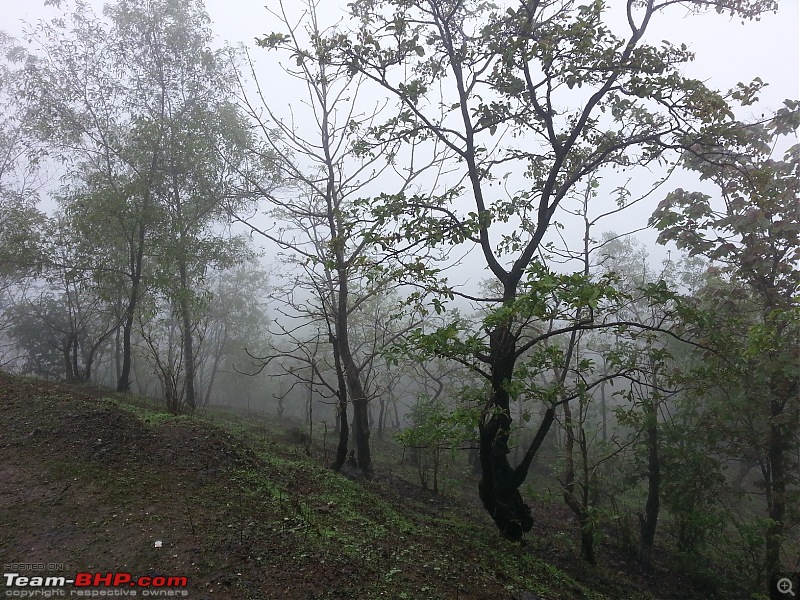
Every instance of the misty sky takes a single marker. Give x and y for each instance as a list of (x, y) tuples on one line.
[(727, 51)]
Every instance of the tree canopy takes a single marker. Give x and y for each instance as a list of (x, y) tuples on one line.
[(312, 224)]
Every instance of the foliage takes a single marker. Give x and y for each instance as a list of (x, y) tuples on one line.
[(476, 78), (499, 125), (435, 428), (37, 337), (754, 231), (747, 315), (149, 166)]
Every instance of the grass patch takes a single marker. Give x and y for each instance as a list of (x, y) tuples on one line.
[(95, 479)]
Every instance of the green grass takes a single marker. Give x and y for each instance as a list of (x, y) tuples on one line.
[(286, 508), (339, 516)]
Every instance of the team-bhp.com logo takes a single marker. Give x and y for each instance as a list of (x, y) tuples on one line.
[(93, 585)]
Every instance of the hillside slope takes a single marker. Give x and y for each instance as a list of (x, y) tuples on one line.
[(92, 483)]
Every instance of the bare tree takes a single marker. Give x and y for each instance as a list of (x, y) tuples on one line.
[(324, 225)]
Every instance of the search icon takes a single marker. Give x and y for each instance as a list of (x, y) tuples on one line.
[(785, 586)]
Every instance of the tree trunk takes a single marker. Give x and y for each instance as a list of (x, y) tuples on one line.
[(344, 432), (188, 354), (310, 413), (776, 488), (381, 418), (185, 292), (88, 363), (212, 377), (587, 540), (352, 374), (310, 399), (361, 426), (499, 485), (579, 504), (604, 405), (280, 407), (436, 461), (118, 342), (137, 258), (649, 521), (66, 346), (76, 371), (341, 421), (397, 422), (124, 380), (475, 458)]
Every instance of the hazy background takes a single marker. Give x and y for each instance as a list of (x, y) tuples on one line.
[(727, 51)]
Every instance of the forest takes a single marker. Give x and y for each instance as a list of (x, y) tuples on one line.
[(515, 239)]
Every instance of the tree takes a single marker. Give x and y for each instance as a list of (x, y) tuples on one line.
[(581, 97), (68, 306), (20, 181), (137, 107), (20, 176), (752, 318), (233, 328), (642, 357), (342, 254), (442, 418), (80, 106), (35, 336)]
